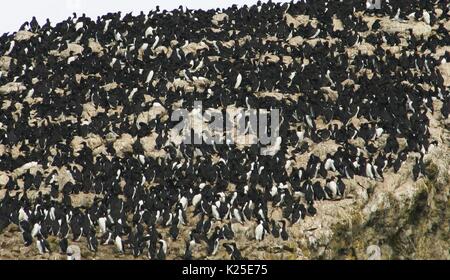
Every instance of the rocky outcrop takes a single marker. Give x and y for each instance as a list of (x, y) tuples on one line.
[(23, 35), (12, 87)]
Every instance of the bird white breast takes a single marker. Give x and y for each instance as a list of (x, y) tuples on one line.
[(164, 246), (261, 214), (199, 66), (300, 135), (379, 131), (173, 165), (102, 224), (22, 215), (260, 169), (196, 199), (156, 42), (333, 187), (249, 174), (288, 164), (30, 93), (148, 31), (181, 219), (316, 34), (118, 242), (329, 78), (113, 61), (184, 202), (329, 165), (36, 229), (236, 215), (71, 59), (179, 165), (86, 122), (158, 215), (309, 121), (259, 232), (143, 47), (52, 214), (238, 81), (215, 212), (78, 26), (141, 159), (106, 25), (426, 17), (217, 203), (11, 46), (39, 246), (222, 197), (274, 191), (117, 36), (369, 171), (149, 77), (216, 246), (300, 174), (233, 198)]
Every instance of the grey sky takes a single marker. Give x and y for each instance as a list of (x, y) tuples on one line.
[(16, 12)]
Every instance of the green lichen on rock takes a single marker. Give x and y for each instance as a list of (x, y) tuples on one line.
[(408, 229)]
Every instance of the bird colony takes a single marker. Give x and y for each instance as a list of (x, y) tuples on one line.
[(89, 168)]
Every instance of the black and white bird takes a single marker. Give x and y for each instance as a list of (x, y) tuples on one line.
[(42, 244), (260, 231)]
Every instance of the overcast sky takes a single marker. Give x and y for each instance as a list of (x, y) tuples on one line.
[(16, 12)]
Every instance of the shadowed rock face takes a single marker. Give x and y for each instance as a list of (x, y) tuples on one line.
[(85, 115)]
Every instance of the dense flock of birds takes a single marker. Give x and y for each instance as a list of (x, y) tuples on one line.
[(222, 58)]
